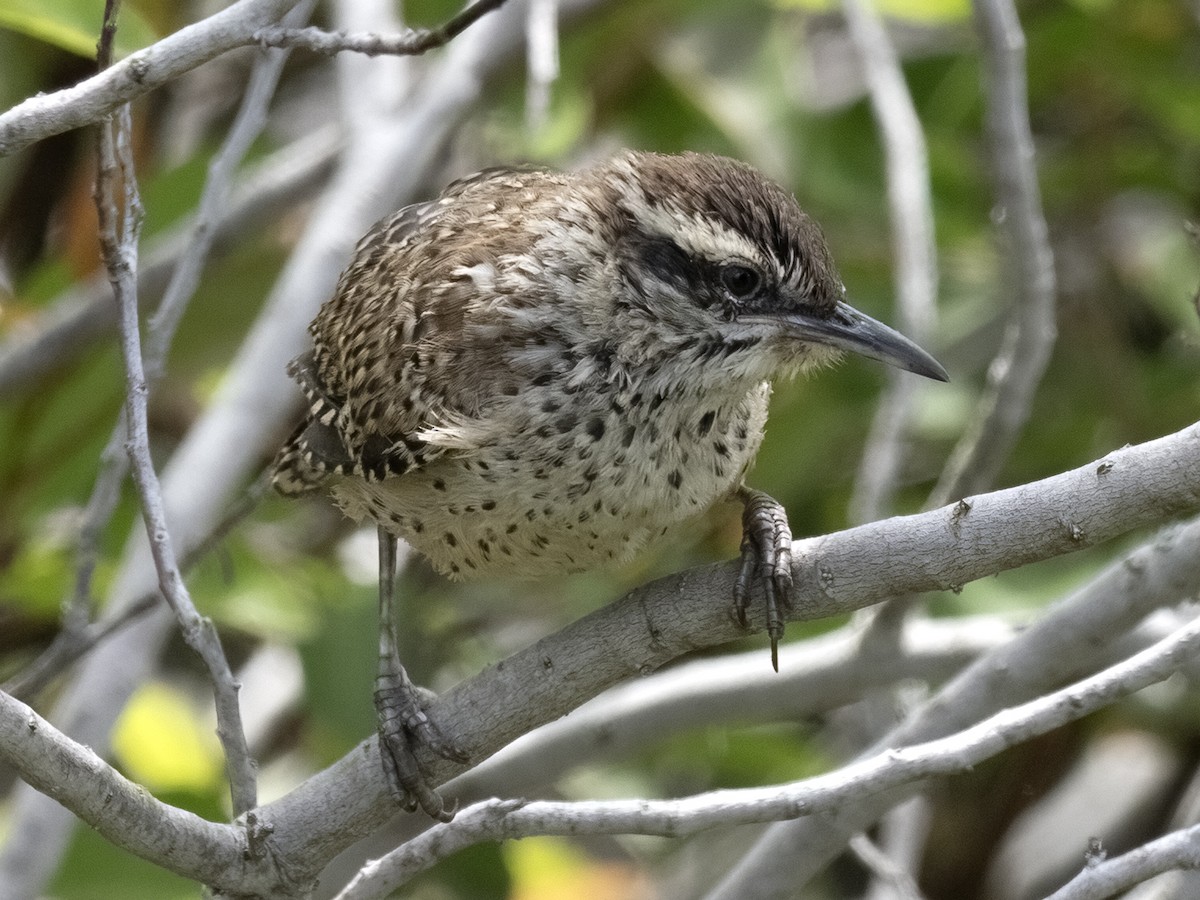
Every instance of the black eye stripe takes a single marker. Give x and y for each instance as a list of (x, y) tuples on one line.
[(659, 258), (668, 259)]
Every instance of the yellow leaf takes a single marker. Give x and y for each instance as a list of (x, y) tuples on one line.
[(550, 868), (162, 743)]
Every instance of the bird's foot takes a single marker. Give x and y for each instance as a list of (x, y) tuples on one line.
[(766, 558), (404, 726)]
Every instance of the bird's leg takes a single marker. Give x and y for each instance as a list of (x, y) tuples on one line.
[(402, 721), (767, 557)]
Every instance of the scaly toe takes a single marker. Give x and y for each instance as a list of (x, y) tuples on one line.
[(766, 559)]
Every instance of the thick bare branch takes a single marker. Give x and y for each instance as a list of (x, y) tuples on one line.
[(1061, 646), (245, 23), (690, 610), (834, 574), (122, 811), (815, 676), (500, 819), (52, 762)]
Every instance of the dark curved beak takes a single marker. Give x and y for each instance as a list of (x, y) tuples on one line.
[(848, 329)]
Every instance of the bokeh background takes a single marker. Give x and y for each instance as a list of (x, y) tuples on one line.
[(1114, 93)]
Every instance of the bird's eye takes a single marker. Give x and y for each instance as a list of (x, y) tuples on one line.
[(741, 281)]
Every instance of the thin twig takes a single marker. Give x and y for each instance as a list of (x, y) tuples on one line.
[(1108, 878), (84, 314), (910, 202), (1015, 373), (410, 43), (120, 226), (108, 31), (106, 493), (114, 464), (900, 884), (72, 644)]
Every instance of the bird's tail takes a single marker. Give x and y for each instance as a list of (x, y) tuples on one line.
[(294, 471)]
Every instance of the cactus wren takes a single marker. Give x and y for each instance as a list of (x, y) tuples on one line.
[(539, 372)]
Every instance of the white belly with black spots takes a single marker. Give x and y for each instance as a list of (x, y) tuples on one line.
[(568, 491)]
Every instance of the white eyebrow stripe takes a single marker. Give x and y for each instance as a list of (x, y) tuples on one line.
[(697, 235)]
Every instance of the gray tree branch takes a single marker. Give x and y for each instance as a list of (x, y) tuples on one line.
[(123, 811), (246, 23), (690, 610), (1071, 640), (1177, 850), (910, 204), (119, 207), (888, 769), (835, 574), (139, 73), (1015, 373), (248, 414), (84, 314)]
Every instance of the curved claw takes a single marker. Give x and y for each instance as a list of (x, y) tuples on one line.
[(766, 557), (403, 725)]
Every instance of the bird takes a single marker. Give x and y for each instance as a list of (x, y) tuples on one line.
[(540, 372)]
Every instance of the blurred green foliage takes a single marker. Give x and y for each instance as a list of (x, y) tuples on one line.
[(1115, 99), (74, 25)]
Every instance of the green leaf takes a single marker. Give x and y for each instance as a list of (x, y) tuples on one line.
[(927, 11), (74, 25)]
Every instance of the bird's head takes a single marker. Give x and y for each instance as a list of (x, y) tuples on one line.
[(720, 264)]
